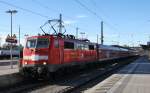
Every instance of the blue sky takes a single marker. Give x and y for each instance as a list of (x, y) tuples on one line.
[(125, 21)]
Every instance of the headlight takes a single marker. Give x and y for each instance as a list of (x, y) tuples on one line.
[(25, 63), (44, 63)]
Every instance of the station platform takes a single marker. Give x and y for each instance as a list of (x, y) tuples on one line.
[(7, 62), (8, 75), (5, 67), (133, 78)]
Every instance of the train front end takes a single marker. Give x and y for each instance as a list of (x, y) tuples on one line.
[(35, 56)]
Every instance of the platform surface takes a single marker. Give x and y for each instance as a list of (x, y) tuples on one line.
[(133, 78), (5, 67)]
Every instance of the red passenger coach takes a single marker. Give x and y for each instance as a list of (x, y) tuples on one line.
[(107, 52)]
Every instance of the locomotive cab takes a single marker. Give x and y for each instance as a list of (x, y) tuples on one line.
[(36, 50), (41, 54), (35, 54)]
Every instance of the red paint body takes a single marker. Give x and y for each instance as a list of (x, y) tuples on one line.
[(61, 52)]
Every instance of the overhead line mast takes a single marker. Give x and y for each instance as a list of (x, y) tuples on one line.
[(102, 35), (60, 23)]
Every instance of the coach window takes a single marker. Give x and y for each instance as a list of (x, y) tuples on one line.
[(79, 46), (91, 47), (68, 45), (86, 47), (76, 46), (82, 46)]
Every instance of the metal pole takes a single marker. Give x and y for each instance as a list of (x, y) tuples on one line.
[(19, 41), (102, 37), (19, 35), (11, 63), (11, 24), (118, 38), (77, 32), (11, 13), (60, 24), (0, 42), (97, 38)]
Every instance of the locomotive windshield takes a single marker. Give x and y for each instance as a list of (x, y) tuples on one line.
[(37, 43), (31, 43), (42, 43)]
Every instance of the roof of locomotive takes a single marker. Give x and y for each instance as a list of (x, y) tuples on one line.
[(83, 41), (109, 47), (39, 36), (79, 41)]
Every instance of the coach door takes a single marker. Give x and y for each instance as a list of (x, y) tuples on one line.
[(61, 51), (57, 52)]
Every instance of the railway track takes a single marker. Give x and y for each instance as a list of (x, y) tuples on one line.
[(66, 84)]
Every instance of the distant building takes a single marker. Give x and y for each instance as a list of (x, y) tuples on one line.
[(146, 49), (148, 43)]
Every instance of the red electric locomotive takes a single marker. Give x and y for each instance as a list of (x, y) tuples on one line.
[(43, 54), (50, 52)]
